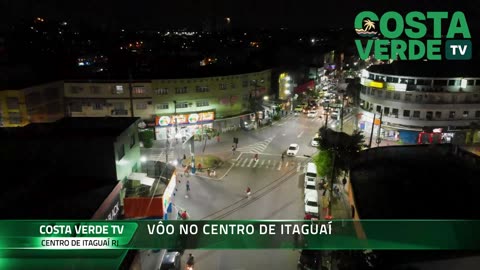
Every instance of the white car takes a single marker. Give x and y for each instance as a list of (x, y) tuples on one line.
[(315, 142), (312, 114), (311, 204), (310, 189), (309, 181), (293, 150)]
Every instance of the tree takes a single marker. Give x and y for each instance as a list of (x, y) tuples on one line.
[(146, 137), (323, 161), (344, 146)]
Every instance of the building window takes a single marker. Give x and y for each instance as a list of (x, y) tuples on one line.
[(141, 106), (418, 98), (14, 118), (396, 96), (388, 94), (202, 89), (395, 112), (12, 103), (451, 114), (181, 90), (438, 115), (477, 114), (386, 110), (253, 82), (223, 86), (392, 79), (76, 89), (429, 115), (181, 105), (162, 106), (76, 107), (454, 82), (470, 82), (97, 106), (244, 83), (379, 108), (202, 103), (440, 82), (161, 91), (132, 141), (424, 82), (465, 114), (139, 90), (233, 85), (120, 151), (406, 113), (416, 114), (408, 97), (118, 90), (95, 89)]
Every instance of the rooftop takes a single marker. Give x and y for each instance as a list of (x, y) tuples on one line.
[(415, 182), (72, 127), (439, 69)]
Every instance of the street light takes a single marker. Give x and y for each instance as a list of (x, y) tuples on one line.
[(143, 159), (265, 98)]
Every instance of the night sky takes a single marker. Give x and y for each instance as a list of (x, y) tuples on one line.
[(296, 14)]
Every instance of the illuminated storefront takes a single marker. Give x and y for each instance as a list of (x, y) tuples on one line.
[(183, 125)]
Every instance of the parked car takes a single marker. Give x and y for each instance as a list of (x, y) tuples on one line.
[(315, 142), (309, 260), (171, 261), (293, 150), (311, 204), (312, 114)]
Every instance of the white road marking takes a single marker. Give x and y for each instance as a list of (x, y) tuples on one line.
[(300, 135), (250, 163), (263, 162), (298, 167), (244, 162), (274, 164), (284, 134), (286, 164), (268, 164), (255, 164), (279, 166)]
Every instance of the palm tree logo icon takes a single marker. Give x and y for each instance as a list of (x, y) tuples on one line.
[(368, 29)]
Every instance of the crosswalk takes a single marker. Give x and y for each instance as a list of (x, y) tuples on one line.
[(268, 164), (256, 148)]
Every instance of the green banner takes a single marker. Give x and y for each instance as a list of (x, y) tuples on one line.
[(105, 243)]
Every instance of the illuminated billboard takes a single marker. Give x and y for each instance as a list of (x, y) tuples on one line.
[(185, 119)]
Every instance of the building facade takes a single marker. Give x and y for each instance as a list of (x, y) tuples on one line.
[(171, 105), (35, 104), (411, 98)]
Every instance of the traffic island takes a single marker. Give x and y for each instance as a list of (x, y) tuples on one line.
[(207, 166)]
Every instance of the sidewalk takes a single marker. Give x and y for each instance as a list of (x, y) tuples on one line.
[(220, 172)]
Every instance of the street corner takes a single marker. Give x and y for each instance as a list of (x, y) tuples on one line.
[(210, 166)]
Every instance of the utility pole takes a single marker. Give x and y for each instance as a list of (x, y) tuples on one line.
[(341, 115), (379, 129), (326, 115), (130, 90), (371, 132)]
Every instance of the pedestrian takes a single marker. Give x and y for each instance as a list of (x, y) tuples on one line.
[(188, 186), (283, 156), (233, 149), (248, 191)]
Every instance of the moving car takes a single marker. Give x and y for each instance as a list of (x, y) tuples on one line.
[(312, 114), (293, 150), (298, 108), (311, 204)]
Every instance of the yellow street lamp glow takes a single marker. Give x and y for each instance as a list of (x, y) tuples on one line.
[(287, 92), (265, 98)]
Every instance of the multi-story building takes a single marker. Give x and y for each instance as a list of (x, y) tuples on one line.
[(34, 104), (412, 97), (172, 104)]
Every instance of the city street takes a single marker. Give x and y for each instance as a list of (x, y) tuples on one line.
[(277, 188)]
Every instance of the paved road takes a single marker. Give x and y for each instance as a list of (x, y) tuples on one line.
[(277, 188)]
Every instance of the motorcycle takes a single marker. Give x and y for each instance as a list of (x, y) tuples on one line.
[(190, 263)]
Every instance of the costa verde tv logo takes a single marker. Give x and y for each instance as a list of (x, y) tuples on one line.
[(390, 29)]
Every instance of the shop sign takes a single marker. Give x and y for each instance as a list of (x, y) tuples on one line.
[(164, 121), (192, 118)]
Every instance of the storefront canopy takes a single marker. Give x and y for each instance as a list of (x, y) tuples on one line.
[(142, 177)]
